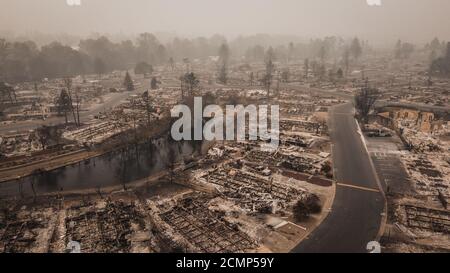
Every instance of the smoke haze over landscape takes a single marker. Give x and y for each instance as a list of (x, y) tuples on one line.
[(415, 21)]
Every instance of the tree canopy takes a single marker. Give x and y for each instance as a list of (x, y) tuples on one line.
[(441, 66), (143, 68)]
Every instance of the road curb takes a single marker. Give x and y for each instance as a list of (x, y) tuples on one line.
[(377, 178)]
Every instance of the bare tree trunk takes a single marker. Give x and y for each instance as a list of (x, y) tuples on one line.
[(65, 116), (69, 87), (78, 103), (33, 189)]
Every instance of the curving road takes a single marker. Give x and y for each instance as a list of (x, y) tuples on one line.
[(357, 210)]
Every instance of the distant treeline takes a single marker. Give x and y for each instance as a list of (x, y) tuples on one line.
[(441, 65), (25, 61)]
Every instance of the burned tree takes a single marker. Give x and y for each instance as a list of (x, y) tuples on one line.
[(224, 56), (77, 104), (189, 83), (267, 79), (285, 75), (7, 93), (223, 74), (322, 53), (148, 108), (306, 206), (63, 104), (171, 162), (346, 60), (365, 100), (321, 72), (154, 83), (306, 67), (187, 62), (48, 135), (68, 83), (340, 73), (171, 63), (43, 135), (252, 78), (291, 52)]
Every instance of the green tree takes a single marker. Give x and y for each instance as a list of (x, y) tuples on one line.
[(128, 82)]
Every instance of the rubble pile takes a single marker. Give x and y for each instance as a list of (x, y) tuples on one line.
[(429, 173), (253, 192), (96, 133), (292, 125), (423, 218), (103, 227), (19, 144), (202, 229), (302, 162), (25, 231)]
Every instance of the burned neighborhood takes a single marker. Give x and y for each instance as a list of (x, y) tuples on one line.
[(97, 149)]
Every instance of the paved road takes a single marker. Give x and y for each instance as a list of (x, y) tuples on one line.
[(113, 100), (355, 217)]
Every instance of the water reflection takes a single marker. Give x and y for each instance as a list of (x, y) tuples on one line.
[(115, 168)]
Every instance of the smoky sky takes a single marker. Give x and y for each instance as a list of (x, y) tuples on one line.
[(412, 20)]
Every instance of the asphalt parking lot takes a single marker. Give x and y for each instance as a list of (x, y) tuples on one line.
[(385, 153)]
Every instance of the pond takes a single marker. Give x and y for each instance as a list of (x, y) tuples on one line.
[(118, 167)]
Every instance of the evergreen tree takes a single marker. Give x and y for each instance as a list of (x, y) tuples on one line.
[(223, 74), (356, 49), (128, 82)]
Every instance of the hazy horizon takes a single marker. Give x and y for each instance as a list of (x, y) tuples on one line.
[(416, 21)]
